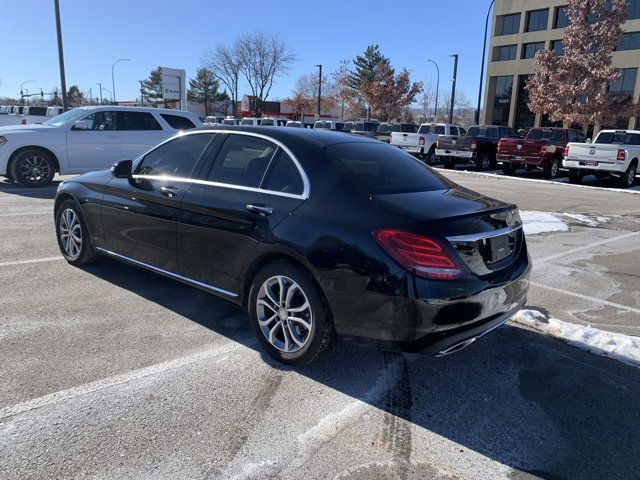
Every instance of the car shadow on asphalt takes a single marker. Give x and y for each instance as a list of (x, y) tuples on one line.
[(48, 192), (532, 403)]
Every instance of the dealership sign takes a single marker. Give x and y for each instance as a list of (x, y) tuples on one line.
[(173, 84)]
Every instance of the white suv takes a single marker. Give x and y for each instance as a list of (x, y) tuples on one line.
[(85, 139)]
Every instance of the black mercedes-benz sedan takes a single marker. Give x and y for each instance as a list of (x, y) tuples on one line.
[(313, 233)]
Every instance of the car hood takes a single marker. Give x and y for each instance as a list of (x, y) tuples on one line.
[(98, 177), (454, 211), (32, 127)]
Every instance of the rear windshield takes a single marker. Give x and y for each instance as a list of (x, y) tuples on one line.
[(41, 111), (387, 127), (322, 125), (380, 168), (435, 129), (552, 135), (408, 128), (491, 132), (619, 138), (366, 127)]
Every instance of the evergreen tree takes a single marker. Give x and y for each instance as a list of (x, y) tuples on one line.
[(151, 88), (75, 97), (204, 89), (365, 66)]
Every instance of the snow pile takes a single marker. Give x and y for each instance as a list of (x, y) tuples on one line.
[(624, 348), (591, 222), (535, 223)]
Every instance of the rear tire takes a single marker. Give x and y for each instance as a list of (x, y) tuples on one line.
[(551, 169), (277, 294), (33, 168), (575, 176), (72, 235), (483, 163), (430, 158), (627, 178)]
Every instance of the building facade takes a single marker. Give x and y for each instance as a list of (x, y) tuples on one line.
[(522, 27)]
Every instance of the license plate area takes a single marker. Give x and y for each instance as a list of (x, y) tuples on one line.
[(501, 248), (589, 163)]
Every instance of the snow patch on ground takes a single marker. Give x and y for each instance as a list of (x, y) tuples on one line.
[(625, 348), (590, 221), (535, 223)]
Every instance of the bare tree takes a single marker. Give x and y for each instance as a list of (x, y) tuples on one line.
[(427, 100), (388, 93), (224, 61), (305, 94), (263, 58), (462, 111)]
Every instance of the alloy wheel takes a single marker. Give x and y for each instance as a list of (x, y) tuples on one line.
[(631, 176), (284, 314), (34, 169), (70, 233), (554, 169)]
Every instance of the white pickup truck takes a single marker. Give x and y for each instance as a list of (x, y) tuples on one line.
[(85, 139), (30, 114), (614, 152), (423, 143)]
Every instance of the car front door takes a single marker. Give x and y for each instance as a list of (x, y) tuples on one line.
[(140, 132), (139, 214), (248, 187), (97, 146)]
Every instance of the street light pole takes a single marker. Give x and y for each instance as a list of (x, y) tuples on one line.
[(100, 85), (63, 80), (113, 78), (484, 50), (435, 112), (319, 88), (453, 86)]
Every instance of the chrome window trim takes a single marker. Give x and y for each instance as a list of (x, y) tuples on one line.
[(305, 180), (474, 237), (165, 272)]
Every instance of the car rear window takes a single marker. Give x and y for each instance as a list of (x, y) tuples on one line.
[(552, 135), (408, 128), (380, 168), (178, 122), (618, 138), (424, 129), (39, 111)]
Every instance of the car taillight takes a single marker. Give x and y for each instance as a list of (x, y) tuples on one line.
[(566, 152), (500, 146), (438, 142), (421, 141), (417, 253), (24, 121), (474, 144), (621, 155)]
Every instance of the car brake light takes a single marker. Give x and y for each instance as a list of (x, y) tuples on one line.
[(421, 141), (417, 253), (438, 142), (500, 146), (566, 152), (24, 121), (621, 155), (474, 144)]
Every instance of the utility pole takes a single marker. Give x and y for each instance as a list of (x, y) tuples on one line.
[(63, 80), (435, 112), (100, 85), (484, 50), (453, 86), (319, 88)]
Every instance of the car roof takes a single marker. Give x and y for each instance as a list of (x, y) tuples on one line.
[(321, 138)]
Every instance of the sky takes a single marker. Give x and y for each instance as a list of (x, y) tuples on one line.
[(175, 34)]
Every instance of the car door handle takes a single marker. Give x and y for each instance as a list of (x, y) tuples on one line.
[(263, 210), (169, 191)]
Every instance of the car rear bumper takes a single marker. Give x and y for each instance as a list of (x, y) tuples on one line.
[(411, 149), (594, 165), (467, 155), (524, 159)]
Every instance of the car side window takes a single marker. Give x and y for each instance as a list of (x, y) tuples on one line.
[(453, 130), (102, 121), (463, 132), (283, 175), (138, 121), (242, 160), (175, 158), (177, 122), (492, 132)]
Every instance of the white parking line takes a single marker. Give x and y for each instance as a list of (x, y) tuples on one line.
[(47, 212), (587, 297), (33, 260), (584, 247), (62, 395)]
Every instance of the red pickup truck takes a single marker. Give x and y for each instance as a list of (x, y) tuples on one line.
[(542, 147)]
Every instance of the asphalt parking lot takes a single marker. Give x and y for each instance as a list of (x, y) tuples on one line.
[(113, 372)]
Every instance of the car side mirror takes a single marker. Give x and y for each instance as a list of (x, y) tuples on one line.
[(122, 169), (81, 125)]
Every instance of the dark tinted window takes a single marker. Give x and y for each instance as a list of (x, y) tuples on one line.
[(101, 121), (491, 132), (561, 20), (552, 135), (381, 168), (529, 49), (508, 24), (41, 111), (283, 176), (504, 53), (366, 127), (618, 138), (629, 41), (175, 158), (473, 131), (633, 9), (138, 121), (242, 160), (408, 128), (339, 126), (537, 20), (424, 129), (439, 130), (347, 127), (178, 122), (626, 83), (558, 47)]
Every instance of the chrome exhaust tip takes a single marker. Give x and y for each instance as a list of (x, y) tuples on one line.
[(456, 348)]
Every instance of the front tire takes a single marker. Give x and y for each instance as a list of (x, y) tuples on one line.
[(289, 315), (72, 234), (33, 168)]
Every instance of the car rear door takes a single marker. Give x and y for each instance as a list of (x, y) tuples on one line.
[(140, 132), (139, 214), (248, 186)]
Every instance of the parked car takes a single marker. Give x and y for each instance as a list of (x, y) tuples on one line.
[(213, 120), (273, 122), (365, 129), (54, 111), (231, 121), (385, 129), (30, 114), (478, 147), (423, 143), (85, 139), (331, 125), (251, 121), (381, 249), (542, 147), (295, 124), (348, 126), (614, 153), (5, 109)]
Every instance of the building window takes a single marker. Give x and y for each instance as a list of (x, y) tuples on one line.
[(529, 49), (558, 47), (537, 20), (502, 89), (633, 9), (525, 118), (503, 53), (560, 19), (626, 83), (629, 41), (508, 24)]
